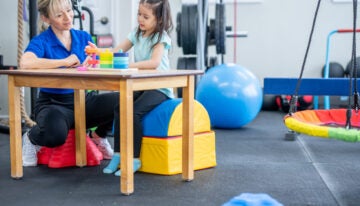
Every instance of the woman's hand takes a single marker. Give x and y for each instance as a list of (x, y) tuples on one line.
[(72, 61)]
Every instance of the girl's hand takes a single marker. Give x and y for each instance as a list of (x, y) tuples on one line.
[(91, 49), (72, 61)]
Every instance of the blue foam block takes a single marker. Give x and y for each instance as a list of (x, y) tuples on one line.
[(156, 122)]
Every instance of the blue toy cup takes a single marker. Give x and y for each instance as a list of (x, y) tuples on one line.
[(121, 60)]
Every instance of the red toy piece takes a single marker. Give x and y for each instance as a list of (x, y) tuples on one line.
[(92, 52)]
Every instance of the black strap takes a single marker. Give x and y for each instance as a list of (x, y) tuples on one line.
[(353, 73), (294, 98)]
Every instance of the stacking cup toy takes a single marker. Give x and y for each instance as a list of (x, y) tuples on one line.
[(121, 60), (106, 59)]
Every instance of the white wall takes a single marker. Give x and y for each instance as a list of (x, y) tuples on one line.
[(278, 31), (8, 46), (278, 35)]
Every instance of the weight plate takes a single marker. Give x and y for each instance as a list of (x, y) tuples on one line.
[(178, 29), (189, 22), (185, 63), (181, 63)]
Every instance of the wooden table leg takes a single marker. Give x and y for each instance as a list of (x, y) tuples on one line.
[(126, 137), (188, 131), (80, 127), (15, 129)]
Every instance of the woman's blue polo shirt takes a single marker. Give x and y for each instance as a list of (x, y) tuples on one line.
[(47, 45)]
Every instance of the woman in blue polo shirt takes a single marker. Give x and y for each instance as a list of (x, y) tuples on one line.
[(60, 47)]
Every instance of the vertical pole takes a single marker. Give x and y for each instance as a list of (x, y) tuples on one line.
[(201, 51), (33, 32)]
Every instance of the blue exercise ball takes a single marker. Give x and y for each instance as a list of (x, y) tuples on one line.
[(231, 94)]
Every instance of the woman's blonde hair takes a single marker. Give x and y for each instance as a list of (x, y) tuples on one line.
[(49, 7)]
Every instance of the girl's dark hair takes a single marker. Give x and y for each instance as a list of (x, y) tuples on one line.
[(162, 13)]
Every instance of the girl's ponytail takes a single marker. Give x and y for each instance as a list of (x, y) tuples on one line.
[(166, 14)]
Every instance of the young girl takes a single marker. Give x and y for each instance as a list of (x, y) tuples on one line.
[(151, 44), (58, 47)]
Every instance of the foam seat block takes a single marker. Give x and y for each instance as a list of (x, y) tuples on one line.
[(164, 155), (166, 119), (65, 155)]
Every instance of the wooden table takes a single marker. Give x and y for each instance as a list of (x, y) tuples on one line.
[(123, 81)]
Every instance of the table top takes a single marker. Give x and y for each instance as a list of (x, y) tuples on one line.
[(107, 73)]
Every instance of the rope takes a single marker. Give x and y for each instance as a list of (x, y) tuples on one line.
[(294, 98), (353, 72), (28, 122)]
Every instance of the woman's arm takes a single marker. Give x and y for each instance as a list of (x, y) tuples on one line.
[(153, 62), (30, 61)]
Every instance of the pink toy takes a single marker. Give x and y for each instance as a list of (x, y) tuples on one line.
[(82, 68)]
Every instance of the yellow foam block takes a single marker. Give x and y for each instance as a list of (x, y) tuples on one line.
[(201, 119), (164, 155)]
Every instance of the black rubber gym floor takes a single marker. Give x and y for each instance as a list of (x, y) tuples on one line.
[(253, 159)]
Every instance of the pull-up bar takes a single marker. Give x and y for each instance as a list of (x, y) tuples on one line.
[(327, 64), (309, 86)]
